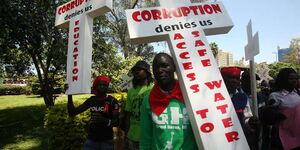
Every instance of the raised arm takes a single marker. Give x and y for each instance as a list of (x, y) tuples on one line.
[(72, 110)]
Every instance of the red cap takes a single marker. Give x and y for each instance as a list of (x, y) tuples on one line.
[(97, 80), (231, 71)]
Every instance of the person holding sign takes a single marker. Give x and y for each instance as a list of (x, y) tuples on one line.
[(142, 83), (164, 120), (104, 115), (240, 101)]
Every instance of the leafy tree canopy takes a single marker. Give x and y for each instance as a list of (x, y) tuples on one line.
[(275, 68)]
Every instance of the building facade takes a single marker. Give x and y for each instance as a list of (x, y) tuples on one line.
[(282, 53), (224, 59)]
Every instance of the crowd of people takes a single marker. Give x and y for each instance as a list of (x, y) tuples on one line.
[(150, 104)]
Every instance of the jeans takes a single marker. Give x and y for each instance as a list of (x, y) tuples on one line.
[(98, 145)]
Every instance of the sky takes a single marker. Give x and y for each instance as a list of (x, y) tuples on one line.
[(276, 21)]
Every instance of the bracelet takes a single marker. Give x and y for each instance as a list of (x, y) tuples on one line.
[(109, 122)]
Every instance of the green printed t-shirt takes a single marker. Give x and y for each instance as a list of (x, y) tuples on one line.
[(170, 130), (133, 105)]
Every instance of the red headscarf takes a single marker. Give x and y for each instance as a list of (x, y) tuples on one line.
[(159, 100), (231, 71), (97, 80)]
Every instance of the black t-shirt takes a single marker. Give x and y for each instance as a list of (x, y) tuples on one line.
[(105, 107)]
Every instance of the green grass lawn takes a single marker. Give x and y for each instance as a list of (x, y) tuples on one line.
[(21, 121)]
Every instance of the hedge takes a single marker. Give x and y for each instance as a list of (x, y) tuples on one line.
[(69, 133), (6, 89), (64, 132)]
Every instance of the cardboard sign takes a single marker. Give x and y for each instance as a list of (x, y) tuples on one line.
[(184, 25), (252, 48), (78, 16), (127, 82)]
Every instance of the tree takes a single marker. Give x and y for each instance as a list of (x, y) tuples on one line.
[(275, 67), (214, 48), (29, 36), (118, 31), (294, 56)]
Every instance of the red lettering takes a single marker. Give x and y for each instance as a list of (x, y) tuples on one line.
[(75, 56), (180, 45), (196, 33), (201, 9), (191, 76), (75, 42), (213, 84), (202, 113), (156, 14), (219, 97), (146, 15), (75, 71), (194, 9), (68, 6), (232, 136), (178, 36), (195, 87), (207, 127), (202, 52), (187, 66), (76, 35), (59, 10), (185, 11), (183, 55), (135, 16), (76, 29), (64, 9), (208, 9), (72, 4), (199, 43), (75, 63), (206, 62), (216, 8), (176, 13), (75, 78), (227, 122), (75, 50), (76, 23), (166, 14), (222, 108)]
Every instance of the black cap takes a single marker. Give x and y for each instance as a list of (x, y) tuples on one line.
[(142, 65)]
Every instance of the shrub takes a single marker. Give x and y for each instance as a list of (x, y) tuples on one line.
[(65, 132), (57, 83), (6, 89)]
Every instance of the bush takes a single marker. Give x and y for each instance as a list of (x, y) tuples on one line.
[(57, 83), (6, 89), (64, 132)]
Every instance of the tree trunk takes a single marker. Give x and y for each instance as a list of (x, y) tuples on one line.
[(47, 93), (48, 99)]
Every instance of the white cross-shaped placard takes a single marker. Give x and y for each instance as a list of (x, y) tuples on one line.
[(184, 25), (127, 82), (252, 48), (78, 16)]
